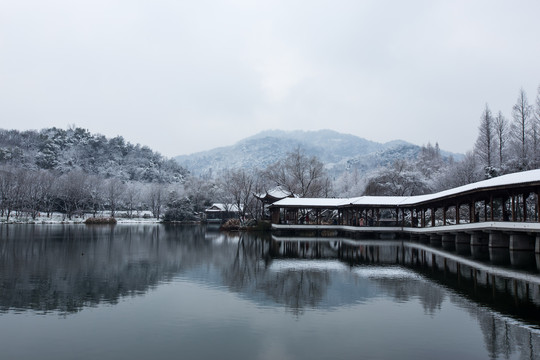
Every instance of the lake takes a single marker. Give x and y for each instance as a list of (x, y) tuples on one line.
[(191, 292)]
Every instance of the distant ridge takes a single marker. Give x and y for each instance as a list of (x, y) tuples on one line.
[(339, 152)]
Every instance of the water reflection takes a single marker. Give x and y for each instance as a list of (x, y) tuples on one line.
[(64, 269)]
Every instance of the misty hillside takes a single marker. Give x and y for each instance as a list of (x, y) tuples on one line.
[(62, 151), (340, 152)]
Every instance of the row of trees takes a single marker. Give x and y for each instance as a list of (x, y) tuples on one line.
[(29, 192), (505, 145)]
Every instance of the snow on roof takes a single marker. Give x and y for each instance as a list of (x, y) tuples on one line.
[(277, 193), (310, 202), (222, 207), (524, 177), (378, 200)]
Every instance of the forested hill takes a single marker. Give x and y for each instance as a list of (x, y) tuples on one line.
[(77, 149), (339, 152)]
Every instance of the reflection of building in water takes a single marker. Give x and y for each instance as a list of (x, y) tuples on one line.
[(67, 268), (507, 298), (510, 289)]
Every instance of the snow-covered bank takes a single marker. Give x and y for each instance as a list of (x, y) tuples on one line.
[(59, 218)]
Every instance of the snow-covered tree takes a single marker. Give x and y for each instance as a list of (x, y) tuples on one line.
[(429, 160), (535, 132), (73, 192), (485, 141), (132, 197), (155, 198), (401, 179), (114, 189), (460, 173), (349, 184), (501, 139), (521, 112), (300, 174), (238, 186), (8, 191)]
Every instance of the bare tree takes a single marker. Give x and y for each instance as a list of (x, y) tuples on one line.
[(73, 191), (501, 135), (238, 185), (522, 116), (485, 140), (48, 182), (131, 197), (115, 188), (300, 174), (96, 192), (8, 190), (466, 171), (34, 192), (535, 131), (155, 198)]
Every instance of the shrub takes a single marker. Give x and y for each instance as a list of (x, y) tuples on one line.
[(100, 220)]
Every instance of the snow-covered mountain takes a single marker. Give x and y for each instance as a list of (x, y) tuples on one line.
[(339, 152)]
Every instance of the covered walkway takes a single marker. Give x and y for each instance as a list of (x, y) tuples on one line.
[(504, 205)]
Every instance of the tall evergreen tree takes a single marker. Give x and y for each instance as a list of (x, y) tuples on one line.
[(521, 112), (501, 136), (485, 141), (535, 132)]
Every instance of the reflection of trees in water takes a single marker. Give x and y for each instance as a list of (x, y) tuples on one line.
[(64, 268), (297, 289), (248, 273)]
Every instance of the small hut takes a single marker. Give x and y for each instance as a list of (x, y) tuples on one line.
[(219, 213)]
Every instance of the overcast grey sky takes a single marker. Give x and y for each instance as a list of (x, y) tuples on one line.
[(185, 76)]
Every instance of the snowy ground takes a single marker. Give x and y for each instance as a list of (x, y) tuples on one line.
[(59, 218)]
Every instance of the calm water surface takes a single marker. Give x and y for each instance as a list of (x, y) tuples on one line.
[(190, 292)]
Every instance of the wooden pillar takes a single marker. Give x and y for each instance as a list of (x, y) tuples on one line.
[(491, 205), (444, 209), (525, 196), (423, 220), (457, 214), (537, 204), (485, 210), (513, 208), (471, 212), (433, 217)]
